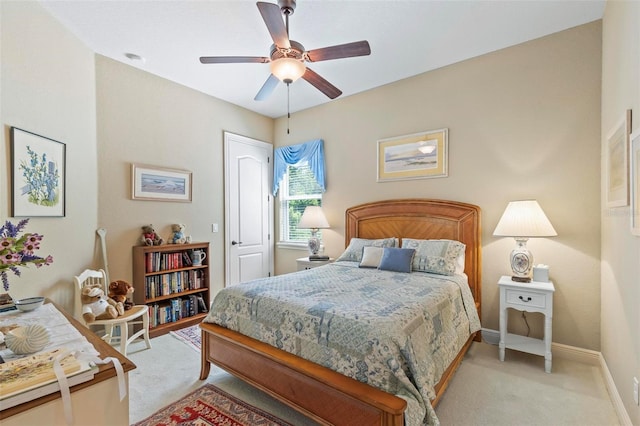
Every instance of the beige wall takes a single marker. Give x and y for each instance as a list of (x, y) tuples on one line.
[(620, 294), (523, 123), (146, 119), (47, 87)]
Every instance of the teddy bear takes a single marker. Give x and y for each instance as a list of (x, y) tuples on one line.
[(96, 306), (149, 236), (121, 291), (178, 236)]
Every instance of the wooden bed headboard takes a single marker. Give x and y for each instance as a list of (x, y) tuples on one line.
[(422, 219)]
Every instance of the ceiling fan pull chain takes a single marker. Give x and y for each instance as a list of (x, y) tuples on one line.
[(288, 109)]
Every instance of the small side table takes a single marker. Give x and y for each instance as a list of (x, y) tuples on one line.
[(530, 297), (304, 263)]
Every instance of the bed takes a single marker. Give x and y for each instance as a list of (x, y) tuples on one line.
[(317, 389)]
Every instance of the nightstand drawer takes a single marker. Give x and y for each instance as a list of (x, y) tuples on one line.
[(526, 298)]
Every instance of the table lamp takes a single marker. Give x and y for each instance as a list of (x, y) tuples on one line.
[(313, 218), (523, 220)]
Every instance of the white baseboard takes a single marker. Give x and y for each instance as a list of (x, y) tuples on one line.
[(490, 336), (625, 420), (585, 356)]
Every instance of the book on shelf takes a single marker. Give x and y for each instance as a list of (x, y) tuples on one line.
[(193, 305), (202, 307), (31, 377)]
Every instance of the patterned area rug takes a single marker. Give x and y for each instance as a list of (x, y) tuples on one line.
[(210, 406), (189, 335)]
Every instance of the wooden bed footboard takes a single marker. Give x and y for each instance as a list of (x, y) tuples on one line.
[(322, 394)]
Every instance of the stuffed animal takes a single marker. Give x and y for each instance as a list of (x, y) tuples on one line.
[(178, 236), (96, 306), (149, 236), (121, 291)]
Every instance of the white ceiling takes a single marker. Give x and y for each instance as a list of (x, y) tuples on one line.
[(406, 38)]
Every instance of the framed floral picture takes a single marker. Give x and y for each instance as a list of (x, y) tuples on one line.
[(160, 184), (38, 175), (617, 166), (634, 155), (416, 156)]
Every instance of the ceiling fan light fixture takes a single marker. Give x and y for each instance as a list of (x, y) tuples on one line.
[(287, 70)]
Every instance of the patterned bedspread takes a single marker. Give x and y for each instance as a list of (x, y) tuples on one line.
[(394, 331)]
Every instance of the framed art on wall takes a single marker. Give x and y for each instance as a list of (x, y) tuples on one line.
[(617, 166), (160, 183), (416, 156), (634, 155), (37, 175)]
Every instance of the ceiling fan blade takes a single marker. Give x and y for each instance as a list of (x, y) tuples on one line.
[(273, 19), (267, 88), (321, 84), (348, 50), (233, 59)]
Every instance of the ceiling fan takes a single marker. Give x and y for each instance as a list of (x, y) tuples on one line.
[(287, 57)]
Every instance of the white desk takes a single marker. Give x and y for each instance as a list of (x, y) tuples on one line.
[(95, 402)]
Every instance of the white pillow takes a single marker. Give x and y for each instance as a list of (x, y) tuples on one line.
[(371, 257)]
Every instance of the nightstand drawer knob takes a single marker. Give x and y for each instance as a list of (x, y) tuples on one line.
[(528, 299)]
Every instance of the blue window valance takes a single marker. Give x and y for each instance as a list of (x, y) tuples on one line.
[(312, 152)]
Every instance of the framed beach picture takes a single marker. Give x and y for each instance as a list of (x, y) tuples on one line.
[(617, 166), (416, 156), (634, 152), (160, 184), (37, 175)]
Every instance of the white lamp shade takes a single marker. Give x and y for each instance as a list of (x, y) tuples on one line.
[(287, 70), (524, 219), (313, 218)]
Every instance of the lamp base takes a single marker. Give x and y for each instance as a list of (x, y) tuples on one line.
[(313, 244), (521, 262)]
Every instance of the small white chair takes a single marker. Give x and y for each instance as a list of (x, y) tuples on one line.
[(137, 315)]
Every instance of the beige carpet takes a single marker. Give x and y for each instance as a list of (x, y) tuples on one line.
[(517, 391), (484, 391)]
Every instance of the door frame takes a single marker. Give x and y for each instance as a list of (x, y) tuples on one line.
[(228, 138)]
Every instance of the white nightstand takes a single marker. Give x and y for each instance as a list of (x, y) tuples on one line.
[(304, 263), (530, 297)]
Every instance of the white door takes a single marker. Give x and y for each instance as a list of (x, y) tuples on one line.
[(248, 209)]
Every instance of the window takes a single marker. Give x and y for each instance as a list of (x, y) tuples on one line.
[(298, 190), (298, 180)]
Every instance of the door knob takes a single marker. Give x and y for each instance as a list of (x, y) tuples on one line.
[(234, 242)]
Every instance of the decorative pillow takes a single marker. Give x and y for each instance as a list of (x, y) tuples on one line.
[(371, 256), (353, 253), (444, 257), (396, 259)]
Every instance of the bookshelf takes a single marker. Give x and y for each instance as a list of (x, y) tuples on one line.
[(176, 291)]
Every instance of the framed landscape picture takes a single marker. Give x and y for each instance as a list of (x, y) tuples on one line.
[(37, 175), (160, 184), (635, 182), (416, 156), (617, 166)]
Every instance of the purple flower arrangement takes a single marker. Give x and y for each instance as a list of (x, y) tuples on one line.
[(18, 251)]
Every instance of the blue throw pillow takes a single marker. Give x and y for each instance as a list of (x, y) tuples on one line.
[(396, 259)]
